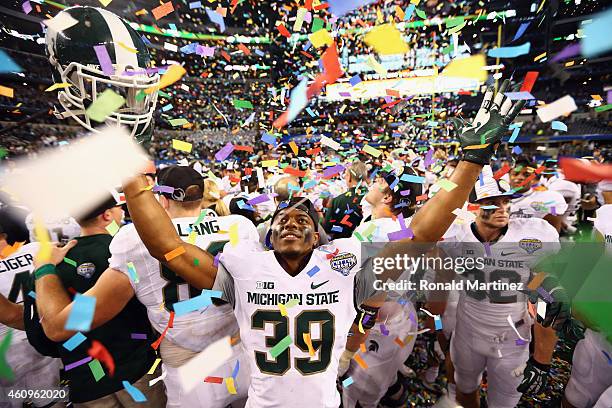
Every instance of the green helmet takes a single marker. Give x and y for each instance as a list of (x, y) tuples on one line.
[(74, 55)]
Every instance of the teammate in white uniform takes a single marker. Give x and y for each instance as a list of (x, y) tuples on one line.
[(549, 205), (397, 317), (295, 352), (554, 180), (61, 229), (158, 288), (483, 337), (590, 383), (31, 370)]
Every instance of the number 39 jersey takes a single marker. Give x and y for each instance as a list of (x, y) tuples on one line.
[(15, 272), (158, 288), (294, 348), (483, 305)]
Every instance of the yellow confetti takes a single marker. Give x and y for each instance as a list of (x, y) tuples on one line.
[(154, 366), (399, 13), (386, 39), (173, 74), (320, 38), (42, 236), (371, 151), (127, 48), (570, 63), (229, 383), (293, 147), (480, 146), (269, 163), (376, 66), (308, 342), (470, 67), (596, 97), (58, 86), (105, 2), (446, 184), (141, 12), (282, 309), (182, 146), (6, 91), (233, 233), (542, 55)]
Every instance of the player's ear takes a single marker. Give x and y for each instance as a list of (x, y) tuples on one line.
[(316, 237)]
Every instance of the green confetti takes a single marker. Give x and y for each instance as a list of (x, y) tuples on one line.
[(239, 103), (140, 96), (178, 122), (70, 262), (603, 108), (112, 228), (106, 103), (96, 370), (420, 13), (281, 346), (196, 262), (317, 24), (5, 370), (163, 94), (3, 152), (454, 21)]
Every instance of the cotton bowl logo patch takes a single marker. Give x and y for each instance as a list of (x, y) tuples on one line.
[(343, 263), (539, 206), (86, 270), (530, 245)]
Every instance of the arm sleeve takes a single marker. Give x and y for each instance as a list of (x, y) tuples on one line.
[(225, 283)]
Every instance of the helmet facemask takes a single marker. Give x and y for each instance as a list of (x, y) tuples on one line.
[(88, 82)]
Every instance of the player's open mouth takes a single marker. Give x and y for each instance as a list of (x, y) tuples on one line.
[(290, 236)]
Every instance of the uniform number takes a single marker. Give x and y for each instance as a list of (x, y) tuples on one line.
[(303, 324), (170, 291), (21, 283), (498, 275)]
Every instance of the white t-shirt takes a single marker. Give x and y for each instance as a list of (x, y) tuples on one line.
[(538, 204), (509, 260), (158, 288), (325, 310)]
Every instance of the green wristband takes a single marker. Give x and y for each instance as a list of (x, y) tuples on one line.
[(47, 269)]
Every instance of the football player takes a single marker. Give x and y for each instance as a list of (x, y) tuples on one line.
[(298, 348), (389, 320), (546, 204), (133, 272), (492, 330), (31, 370)]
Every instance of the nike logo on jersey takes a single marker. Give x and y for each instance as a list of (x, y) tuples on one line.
[(313, 286), (507, 253)]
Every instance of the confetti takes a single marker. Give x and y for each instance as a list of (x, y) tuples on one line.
[(553, 110), (509, 52), (596, 38), (6, 372), (81, 313), (6, 91), (134, 392), (58, 86), (470, 67), (105, 104), (308, 341), (96, 370), (556, 125), (163, 10), (154, 366), (229, 383), (112, 228), (347, 382), (172, 74), (280, 347), (60, 22), (320, 38), (181, 145), (206, 362), (216, 18), (386, 40), (74, 341)]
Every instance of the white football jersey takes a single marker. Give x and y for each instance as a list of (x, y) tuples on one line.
[(158, 288), (603, 224), (538, 204), (15, 272), (297, 372), (510, 259), (61, 229)]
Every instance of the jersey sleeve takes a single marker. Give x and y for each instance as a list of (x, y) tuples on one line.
[(555, 200), (126, 247), (225, 283)]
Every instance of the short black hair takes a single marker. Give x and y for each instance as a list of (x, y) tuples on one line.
[(525, 161)]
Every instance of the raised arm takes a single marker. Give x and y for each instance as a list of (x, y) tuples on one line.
[(479, 142), (155, 229)]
